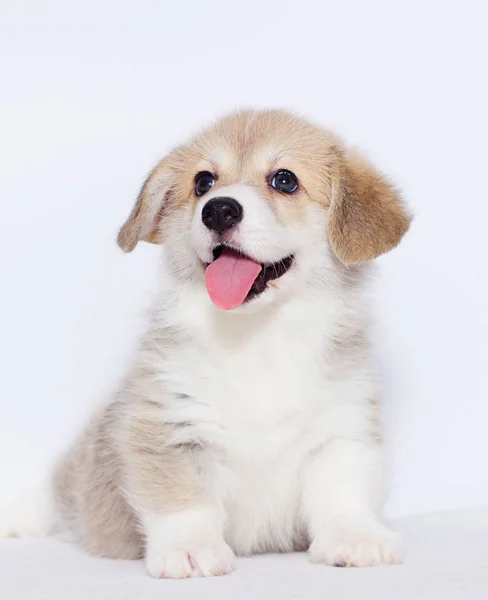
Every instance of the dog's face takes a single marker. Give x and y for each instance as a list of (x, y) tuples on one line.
[(260, 204)]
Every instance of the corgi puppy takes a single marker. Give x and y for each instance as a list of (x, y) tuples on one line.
[(248, 421)]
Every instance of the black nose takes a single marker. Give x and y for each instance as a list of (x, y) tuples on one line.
[(221, 214)]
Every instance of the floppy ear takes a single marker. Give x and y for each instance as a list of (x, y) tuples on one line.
[(142, 224), (367, 216)]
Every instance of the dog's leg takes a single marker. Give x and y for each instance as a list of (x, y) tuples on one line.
[(172, 484), (342, 502)]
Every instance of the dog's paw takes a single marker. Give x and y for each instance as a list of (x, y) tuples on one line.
[(193, 560), (356, 546)]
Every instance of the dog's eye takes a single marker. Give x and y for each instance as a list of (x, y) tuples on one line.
[(284, 181), (203, 182)]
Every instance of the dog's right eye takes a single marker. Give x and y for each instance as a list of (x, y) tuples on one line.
[(203, 182)]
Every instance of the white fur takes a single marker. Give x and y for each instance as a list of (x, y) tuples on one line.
[(297, 449), (32, 514), (187, 544)]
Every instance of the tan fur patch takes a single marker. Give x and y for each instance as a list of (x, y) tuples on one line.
[(163, 477), (367, 216), (128, 459), (88, 484), (143, 220)]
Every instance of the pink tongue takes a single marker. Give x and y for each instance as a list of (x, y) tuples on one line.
[(230, 277)]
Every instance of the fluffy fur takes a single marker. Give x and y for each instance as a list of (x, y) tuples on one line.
[(253, 430)]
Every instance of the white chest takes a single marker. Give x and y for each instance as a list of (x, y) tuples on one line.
[(260, 396), (267, 385)]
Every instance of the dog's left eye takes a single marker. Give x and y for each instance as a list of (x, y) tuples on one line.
[(203, 182), (285, 181)]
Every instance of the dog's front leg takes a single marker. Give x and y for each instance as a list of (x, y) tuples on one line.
[(342, 505), (171, 484)]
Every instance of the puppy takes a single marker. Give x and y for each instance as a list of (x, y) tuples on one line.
[(248, 422)]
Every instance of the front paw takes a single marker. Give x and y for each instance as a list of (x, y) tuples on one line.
[(199, 559), (358, 545)]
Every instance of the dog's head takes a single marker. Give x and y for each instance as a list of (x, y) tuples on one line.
[(259, 204)]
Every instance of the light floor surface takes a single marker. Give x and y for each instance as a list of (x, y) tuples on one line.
[(446, 558)]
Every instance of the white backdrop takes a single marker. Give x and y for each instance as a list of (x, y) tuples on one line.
[(93, 93)]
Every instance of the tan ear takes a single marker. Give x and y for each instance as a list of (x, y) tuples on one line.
[(367, 215), (142, 224)]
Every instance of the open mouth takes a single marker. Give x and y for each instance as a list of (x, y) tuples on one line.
[(233, 278)]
